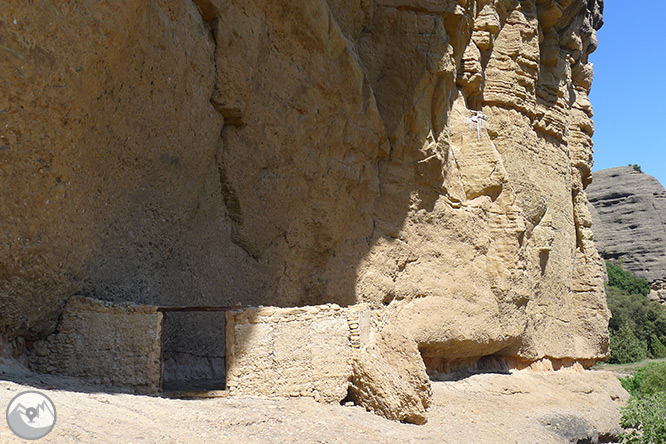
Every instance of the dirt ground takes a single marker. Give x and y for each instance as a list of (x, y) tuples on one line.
[(544, 408), (623, 370)]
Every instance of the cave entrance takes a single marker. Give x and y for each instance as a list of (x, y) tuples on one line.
[(193, 356)]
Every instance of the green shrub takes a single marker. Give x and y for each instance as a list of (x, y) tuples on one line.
[(646, 380), (633, 383), (626, 347), (653, 380), (624, 280), (636, 167), (646, 418), (644, 318), (657, 347), (638, 330)]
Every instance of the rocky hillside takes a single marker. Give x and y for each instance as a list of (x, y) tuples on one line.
[(629, 213), (429, 156)]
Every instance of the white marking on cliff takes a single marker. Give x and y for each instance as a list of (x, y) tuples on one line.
[(480, 120)]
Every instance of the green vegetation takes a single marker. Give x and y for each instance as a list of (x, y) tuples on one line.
[(626, 347), (623, 280), (638, 325), (658, 347), (636, 167), (645, 416), (638, 331), (646, 380)]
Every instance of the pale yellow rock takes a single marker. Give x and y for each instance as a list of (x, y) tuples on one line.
[(287, 352), (103, 343), (428, 158), (389, 377)]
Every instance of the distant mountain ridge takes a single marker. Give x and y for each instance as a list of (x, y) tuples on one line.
[(629, 220)]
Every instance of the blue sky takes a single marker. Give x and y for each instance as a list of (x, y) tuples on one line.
[(629, 89)]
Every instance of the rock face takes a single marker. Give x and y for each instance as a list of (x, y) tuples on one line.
[(658, 291), (629, 212), (428, 158), (109, 183), (389, 378), (328, 353)]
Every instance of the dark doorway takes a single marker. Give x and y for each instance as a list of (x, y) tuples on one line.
[(193, 348)]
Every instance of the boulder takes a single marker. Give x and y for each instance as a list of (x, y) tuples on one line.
[(389, 378)]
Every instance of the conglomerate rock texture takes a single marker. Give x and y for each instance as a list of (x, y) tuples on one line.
[(629, 213), (426, 157)]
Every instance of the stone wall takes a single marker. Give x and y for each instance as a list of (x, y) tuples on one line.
[(332, 354), (328, 353), (110, 344), (294, 351)]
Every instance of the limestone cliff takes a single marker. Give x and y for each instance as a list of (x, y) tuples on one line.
[(629, 214), (427, 157)]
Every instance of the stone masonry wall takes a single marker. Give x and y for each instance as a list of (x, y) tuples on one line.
[(111, 344), (294, 351)]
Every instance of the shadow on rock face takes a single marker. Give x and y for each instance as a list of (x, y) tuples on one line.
[(295, 153)]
